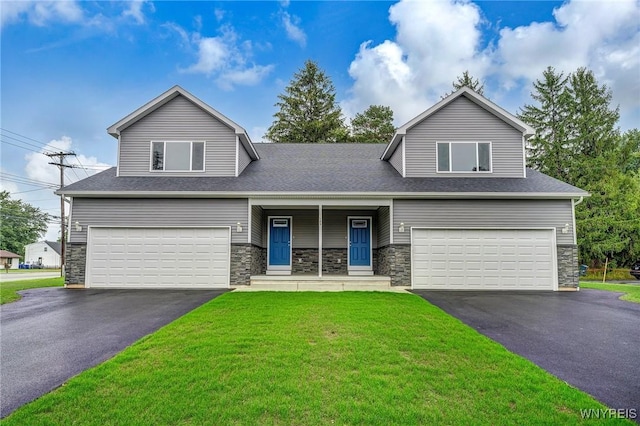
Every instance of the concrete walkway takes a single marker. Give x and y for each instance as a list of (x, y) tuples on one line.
[(4, 277)]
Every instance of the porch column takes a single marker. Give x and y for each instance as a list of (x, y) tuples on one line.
[(319, 240)]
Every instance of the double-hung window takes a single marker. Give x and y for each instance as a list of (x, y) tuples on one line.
[(177, 156), (464, 157)]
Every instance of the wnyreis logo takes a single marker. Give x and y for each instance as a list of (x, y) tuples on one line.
[(609, 413)]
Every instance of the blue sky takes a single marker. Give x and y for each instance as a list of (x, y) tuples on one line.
[(70, 69)]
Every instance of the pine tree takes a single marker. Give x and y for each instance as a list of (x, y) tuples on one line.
[(593, 135), (548, 150), (466, 80), (374, 125), (308, 112)]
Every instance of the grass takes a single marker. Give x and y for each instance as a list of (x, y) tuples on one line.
[(632, 292), (312, 359), (9, 289)]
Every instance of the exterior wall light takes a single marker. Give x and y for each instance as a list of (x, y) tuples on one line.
[(565, 230), (238, 227), (401, 227), (78, 226)]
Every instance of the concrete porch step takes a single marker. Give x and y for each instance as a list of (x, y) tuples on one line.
[(315, 283)]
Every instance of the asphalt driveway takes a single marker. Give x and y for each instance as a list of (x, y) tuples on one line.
[(52, 334), (589, 339)]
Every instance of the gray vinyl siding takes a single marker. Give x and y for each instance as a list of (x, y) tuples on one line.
[(334, 227), (383, 226), (304, 226), (257, 220), (243, 158), (461, 121), (177, 120), (396, 159), (159, 212), (482, 213)]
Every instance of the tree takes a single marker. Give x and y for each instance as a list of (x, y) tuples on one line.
[(577, 141), (466, 80), (593, 135), (20, 224), (374, 125), (308, 112), (547, 149)]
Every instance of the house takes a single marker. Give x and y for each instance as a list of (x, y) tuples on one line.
[(46, 253), (9, 258), (448, 203)]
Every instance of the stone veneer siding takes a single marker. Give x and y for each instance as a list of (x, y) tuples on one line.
[(304, 261), (330, 265), (246, 260), (75, 262), (395, 261), (568, 274)]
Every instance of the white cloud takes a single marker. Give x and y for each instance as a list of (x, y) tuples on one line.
[(294, 32), (244, 77), (224, 57), (219, 14), (41, 13), (38, 167), (212, 55), (601, 35), (416, 68), (436, 41), (135, 10)]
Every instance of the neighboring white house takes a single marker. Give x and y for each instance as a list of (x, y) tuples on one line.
[(9, 257), (46, 253)]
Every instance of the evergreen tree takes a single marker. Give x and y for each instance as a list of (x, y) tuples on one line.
[(308, 112), (20, 224), (466, 80), (577, 141), (593, 135), (548, 149), (374, 125)]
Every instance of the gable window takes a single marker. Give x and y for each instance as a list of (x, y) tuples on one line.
[(177, 156), (464, 157)]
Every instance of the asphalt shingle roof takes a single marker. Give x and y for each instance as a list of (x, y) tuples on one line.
[(328, 168)]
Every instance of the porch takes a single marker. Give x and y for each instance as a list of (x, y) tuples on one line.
[(316, 239)]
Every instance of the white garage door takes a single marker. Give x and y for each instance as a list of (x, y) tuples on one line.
[(483, 259), (158, 258)]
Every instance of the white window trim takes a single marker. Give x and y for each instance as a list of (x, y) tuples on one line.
[(164, 155), (465, 172)]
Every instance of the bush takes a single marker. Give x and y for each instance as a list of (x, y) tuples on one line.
[(595, 274)]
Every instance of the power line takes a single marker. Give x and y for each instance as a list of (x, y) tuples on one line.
[(25, 143), (25, 137), (8, 176), (19, 146)]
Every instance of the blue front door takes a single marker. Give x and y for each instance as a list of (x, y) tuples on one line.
[(279, 241), (360, 242)]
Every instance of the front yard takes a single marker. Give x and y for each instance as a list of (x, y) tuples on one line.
[(312, 358), (9, 289)]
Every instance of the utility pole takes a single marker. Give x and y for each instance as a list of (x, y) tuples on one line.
[(63, 238)]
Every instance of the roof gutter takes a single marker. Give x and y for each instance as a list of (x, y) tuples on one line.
[(316, 195)]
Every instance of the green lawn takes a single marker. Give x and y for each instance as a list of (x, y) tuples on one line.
[(312, 358), (8, 290), (632, 292)]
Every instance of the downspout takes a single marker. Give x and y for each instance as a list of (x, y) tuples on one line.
[(579, 201)]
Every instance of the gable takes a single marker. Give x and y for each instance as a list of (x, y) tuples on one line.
[(464, 121)]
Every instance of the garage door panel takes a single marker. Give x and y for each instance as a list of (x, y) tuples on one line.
[(158, 257), (475, 259)]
